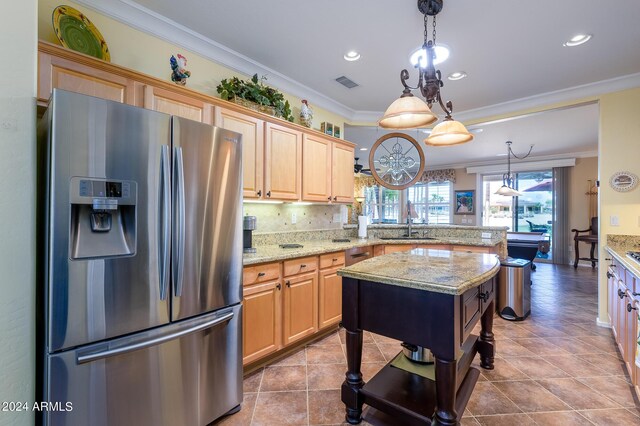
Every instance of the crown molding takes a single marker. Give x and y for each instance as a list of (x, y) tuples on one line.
[(145, 20)]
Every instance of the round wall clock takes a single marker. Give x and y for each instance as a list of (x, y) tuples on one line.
[(396, 161), (623, 181)]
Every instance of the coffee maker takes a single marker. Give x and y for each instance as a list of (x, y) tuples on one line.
[(248, 226)]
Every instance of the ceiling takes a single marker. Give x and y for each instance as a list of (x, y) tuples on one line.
[(510, 49), (554, 134)]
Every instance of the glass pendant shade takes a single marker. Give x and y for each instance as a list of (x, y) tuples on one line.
[(508, 191), (407, 112), (449, 132)]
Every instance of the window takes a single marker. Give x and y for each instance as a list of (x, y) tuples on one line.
[(431, 203), (382, 205)]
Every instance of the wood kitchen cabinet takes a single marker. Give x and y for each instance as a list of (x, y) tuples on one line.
[(471, 249), (342, 180), (174, 103), (330, 289), (262, 320), (252, 131), (394, 248), (77, 75), (316, 168), (300, 306), (283, 162)]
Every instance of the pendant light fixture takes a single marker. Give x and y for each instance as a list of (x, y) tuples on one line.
[(508, 180), (409, 111)]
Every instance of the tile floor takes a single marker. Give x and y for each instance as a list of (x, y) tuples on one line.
[(555, 368)]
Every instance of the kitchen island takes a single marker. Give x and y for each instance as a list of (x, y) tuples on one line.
[(426, 297)]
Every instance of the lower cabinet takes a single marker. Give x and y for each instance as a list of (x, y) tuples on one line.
[(330, 307), (472, 249), (300, 306), (394, 248), (262, 322)]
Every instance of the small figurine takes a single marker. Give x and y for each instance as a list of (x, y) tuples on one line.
[(179, 74), (306, 114)]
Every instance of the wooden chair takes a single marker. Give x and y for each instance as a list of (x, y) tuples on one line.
[(590, 238)]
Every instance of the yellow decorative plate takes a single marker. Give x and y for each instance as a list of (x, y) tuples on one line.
[(76, 32)]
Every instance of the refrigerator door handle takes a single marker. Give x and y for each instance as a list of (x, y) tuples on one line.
[(165, 221), (143, 343), (179, 224)]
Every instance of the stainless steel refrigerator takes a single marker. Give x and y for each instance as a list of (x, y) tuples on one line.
[(141, 238)]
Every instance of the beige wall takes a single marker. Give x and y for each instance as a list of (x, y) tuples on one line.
[(584, 170), (619, 150), (17, 209), (145, 53), (464, 181)]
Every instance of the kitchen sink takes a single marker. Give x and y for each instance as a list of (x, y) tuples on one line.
[(407, 238)]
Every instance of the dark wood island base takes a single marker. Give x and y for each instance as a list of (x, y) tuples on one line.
[(439, 321)]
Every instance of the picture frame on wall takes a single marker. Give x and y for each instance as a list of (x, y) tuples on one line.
[(465, 202)]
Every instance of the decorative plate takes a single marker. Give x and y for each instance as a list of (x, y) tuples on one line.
[(623, 181), (76, 32)]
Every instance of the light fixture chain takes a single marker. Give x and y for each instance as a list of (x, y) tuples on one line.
[(426, 26), (434, 30)]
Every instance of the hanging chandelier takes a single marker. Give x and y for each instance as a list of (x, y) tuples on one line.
[(411, 112), (508, 179)]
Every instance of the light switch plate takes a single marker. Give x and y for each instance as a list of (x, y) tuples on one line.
[(614, 220), (294, 218), (337, 218)]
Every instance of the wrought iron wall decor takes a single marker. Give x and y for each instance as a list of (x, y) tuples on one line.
[(396, 161)]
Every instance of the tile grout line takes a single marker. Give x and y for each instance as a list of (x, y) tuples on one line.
[(255, 406), (306, 378)]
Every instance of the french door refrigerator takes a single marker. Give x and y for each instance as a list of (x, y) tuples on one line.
[(141, 238)]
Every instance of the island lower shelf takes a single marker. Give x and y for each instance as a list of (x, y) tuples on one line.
[(416, 403)]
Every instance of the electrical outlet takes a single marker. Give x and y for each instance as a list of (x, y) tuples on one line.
[(294, 218), (614, 220), (486, 235), (463, 220), (337, 218)]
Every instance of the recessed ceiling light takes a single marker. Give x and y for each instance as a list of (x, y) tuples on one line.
[(458, 75), (442, 53), (577, 40), (363, 149), (351, 56)]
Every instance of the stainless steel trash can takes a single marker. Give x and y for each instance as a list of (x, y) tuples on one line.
[(514, 289)]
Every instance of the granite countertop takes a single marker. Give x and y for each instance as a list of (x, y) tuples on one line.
[(440, 271), (619, 249), (273, 253)]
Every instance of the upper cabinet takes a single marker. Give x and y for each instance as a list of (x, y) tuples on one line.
[(283, 162), (56, 72), (171, 102), (342, 180), (316, 168), (252, 131)]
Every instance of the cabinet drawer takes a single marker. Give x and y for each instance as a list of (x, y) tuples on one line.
[(330, 260), (260, 273), (299, 266), (472, 249), (489, 289), (471, 305)]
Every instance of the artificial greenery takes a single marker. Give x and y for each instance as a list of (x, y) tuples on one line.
[(255, 91)]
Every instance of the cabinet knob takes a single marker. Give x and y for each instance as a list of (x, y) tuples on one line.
[(279, 286), (609, 274), (269, 194), (261, 274), (631, 308), (260, 193), (484, 296), (335, 198), (288, 283), (620, 294), (329, 198)]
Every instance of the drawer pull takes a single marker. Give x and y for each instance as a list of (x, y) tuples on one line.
[(288, 283), (631, 308), (335, 259), (261, 274), (484, 296), (303, 266), (360, 254), (279, 286)]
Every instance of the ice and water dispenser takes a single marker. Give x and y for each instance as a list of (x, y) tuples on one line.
[(103, 218)]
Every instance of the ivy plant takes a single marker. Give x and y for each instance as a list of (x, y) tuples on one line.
[(255, 91)]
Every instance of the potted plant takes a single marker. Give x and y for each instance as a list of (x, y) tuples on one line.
[(265, 98)]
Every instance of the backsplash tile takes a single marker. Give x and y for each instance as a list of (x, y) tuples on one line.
[(277, 217)]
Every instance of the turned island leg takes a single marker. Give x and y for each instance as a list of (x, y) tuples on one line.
[(353, 382), (445, 393), (486, 345)]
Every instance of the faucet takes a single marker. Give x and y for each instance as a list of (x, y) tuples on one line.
[(409, 232)]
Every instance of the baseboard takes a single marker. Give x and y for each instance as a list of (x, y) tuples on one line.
[(605, 324)]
